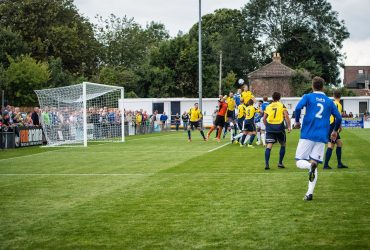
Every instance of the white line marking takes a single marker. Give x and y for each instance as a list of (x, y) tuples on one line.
[(219, 147), (175, 174)]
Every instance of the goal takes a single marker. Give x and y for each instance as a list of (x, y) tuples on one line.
[(76, 114)]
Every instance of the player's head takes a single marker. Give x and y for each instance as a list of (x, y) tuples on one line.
[(260, 102), (265, 98), (250, 102), (276, 96), (337, 94), (318, 83), (231, 94), (196, 105), (246, 88), (241, 100), (239, 91)]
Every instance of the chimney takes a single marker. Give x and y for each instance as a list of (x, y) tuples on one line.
[(276, 57)]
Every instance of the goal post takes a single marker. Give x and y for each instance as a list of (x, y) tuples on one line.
[(76, 114)]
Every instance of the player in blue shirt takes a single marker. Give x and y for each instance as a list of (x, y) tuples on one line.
[(315, 129)]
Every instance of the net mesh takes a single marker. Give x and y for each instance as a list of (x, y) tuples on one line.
[(62, 114)]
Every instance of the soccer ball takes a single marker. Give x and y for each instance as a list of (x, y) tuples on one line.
[(241, 81)]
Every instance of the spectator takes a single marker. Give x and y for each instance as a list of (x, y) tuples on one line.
[(350, 115), (17, 116), (35, 117), (28, 120), (177, 121), (185, 120), (5, 121), (138, 121), (163, 118)]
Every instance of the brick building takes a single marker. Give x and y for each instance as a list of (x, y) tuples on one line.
[(273, 77), (357, 79)]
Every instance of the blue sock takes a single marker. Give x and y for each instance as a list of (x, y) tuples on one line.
[(251, 139), (267, 156), (329, 151), (339, 155), (282, 154), (189, 136)]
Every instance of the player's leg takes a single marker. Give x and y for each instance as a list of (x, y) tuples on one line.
[(258, 134), (339, 153), (189, 131), (263, 137), (282, 141), (270, 140), (210, 131), (200, 129), (328, 154), (252, 134)]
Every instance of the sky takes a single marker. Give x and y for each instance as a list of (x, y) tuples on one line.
[(180, 15)]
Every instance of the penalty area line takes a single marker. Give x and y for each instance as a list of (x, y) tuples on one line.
[(219, 147)]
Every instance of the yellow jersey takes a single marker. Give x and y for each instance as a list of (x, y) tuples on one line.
[(275, 113), (138, 118), (230, 103), (339, 107), (241, 111), (250, 111), (247, 95), (195, 114)]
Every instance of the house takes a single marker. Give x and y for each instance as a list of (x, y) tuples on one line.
[(273, 77), (357, 79)]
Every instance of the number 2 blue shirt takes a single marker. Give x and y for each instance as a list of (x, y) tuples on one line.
[(316, 122)]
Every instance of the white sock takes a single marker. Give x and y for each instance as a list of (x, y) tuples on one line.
[(263, 138), (303, 164), (247, 139), (259, 137), (238, 136), (311, 185)]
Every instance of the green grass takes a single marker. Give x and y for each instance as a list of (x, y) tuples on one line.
[(161, 192)]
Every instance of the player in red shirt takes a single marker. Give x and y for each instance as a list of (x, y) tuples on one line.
[(220, 118)]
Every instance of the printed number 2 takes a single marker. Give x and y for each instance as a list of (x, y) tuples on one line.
[(319, 114)]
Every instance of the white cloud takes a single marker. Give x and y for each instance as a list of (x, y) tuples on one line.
[(357, 51)]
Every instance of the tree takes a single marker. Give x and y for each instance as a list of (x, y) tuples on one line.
[(126, 43), (22, 77), (11, 44), (53, 28), (301, 30)]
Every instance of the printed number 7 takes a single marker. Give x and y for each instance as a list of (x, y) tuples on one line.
[(319, 114), (275, 111)]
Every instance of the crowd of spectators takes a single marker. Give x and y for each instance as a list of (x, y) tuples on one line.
[(11, 117)]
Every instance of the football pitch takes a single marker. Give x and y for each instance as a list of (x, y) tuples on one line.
[(161, 192)]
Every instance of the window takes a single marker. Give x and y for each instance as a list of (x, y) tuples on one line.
[(360, 71), (158, 106), (362, 107)]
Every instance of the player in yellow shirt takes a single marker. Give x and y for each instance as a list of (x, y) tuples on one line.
[(240, 119), (273, 118), (247, 95), (249, 127), (338, 141), (230, 115), (195, 115)]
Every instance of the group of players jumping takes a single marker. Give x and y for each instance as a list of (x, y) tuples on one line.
[(270, 120)]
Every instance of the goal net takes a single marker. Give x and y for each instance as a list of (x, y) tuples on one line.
[(80, 113)]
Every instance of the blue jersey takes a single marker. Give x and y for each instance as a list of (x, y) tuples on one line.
[(264, 105), (237, 99), (316, 122)]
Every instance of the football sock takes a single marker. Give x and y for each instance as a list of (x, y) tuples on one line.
[(189, 135), (303, 164), (211, 130), (243, 138), (247, 139), (329, 151), (235, 129), (251, 140), (259, 137), (281, 155), (219, 133), (216, 132), (267, 156), (202, 133), (263, 138), (339, 155), (311, 185), (238, 136)]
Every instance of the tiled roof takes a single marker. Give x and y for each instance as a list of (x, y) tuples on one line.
[(273, 69)]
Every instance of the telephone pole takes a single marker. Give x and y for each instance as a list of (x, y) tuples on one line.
[(220, 79)]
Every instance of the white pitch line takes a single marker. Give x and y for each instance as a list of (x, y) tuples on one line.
[(133, 174), (218, 147)]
